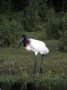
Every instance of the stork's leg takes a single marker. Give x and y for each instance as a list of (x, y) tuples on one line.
[(41, 69), (35, 64)]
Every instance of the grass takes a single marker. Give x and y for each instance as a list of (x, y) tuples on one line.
[(18, 64)]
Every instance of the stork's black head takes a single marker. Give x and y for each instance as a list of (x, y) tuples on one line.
[(23, 40)]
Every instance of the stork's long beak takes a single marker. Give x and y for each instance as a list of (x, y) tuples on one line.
[(20, 43)]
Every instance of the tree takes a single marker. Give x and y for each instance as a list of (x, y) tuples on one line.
[(31, 19)]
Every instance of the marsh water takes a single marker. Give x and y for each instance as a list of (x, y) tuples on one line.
[(31, 86)]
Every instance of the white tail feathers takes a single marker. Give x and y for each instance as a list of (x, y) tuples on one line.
[(46, 51)]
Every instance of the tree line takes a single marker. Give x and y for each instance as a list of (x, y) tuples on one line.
[(17, 16), (19, 5)]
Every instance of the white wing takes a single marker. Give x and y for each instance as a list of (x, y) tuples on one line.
[(39, 46)]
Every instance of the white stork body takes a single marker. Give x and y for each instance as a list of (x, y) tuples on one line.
[(37, 46)]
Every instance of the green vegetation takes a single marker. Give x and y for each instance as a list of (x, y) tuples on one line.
[(33, 16), (18, 64), (39, 19)]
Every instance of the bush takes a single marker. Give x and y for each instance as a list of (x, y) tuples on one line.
[(56, 24), (63, 33), (10, 28), (63, 42), (31, 19), (52, 24)]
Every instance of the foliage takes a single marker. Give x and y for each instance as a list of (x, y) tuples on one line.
[(52, 24), (10, 27), (17, 65), (31, 19), (63, 34), (56, 24), (15, 5), (33, 16), (63, 42)]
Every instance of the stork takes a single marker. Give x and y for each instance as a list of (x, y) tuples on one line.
[(34, 45)]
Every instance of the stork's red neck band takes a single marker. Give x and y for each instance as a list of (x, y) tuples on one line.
[(26, 45)]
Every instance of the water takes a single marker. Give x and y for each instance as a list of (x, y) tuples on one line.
[(31, 86)]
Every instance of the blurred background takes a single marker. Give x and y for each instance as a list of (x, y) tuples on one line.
[(19, 16), (45, 20)]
